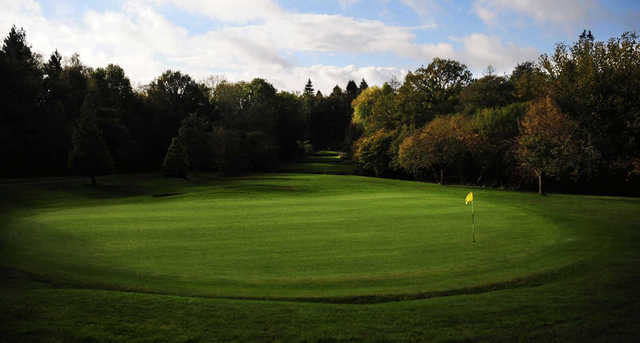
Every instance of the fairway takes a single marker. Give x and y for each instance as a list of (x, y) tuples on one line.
[(313, 258), (292, 236)]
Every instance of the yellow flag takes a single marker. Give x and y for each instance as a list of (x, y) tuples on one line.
[(469, 198)]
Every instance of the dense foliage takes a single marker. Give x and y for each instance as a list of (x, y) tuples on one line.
[(438, 124), (572, 118)]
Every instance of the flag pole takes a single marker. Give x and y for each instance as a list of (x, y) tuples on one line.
[(473, 223)]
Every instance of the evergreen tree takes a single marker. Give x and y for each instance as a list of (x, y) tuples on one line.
[(20, 90), (53, 68), (53, 124), (191, 149), (363, 86), (352, 90), (337, 91), (308, 89), (175, 160), (90, 155)]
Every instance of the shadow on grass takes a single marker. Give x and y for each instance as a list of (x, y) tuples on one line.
[(16, 277), (164, 195)]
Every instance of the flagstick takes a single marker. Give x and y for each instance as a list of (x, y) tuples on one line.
[(473, 223)]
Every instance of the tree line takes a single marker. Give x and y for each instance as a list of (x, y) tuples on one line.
[(570, 120), (61, 117)]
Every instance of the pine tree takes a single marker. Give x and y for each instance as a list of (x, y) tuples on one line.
[(20, 91), (352, 90), (363, 85), (174, 162), (337, 91), (308, 89), (90, 155)]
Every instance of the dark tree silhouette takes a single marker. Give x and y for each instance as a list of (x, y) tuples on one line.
[(20, 90), (363, 85), (308, 89), (174, 161), (352, 90), (90, 155)]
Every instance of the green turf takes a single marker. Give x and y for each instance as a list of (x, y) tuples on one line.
[(556, 267), (321, 162)]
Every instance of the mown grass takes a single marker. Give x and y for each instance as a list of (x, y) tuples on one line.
[(321, 162), (302, 257)]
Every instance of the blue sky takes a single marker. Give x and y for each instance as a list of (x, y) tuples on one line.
[(329, 41)]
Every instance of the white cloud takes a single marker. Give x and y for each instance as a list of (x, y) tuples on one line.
[(324, 77), (563, 13), (480, 50), (424, 8), (236, 11), (344, 34), (487, 15), (145, 43), (347, 3), (133, 38)]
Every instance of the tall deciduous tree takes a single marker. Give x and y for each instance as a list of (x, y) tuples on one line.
[(598, 84), (194, 136), (528, 81), (549, 143), (374, 109), (112, 93), (90, 155), (172, 96), (290, 126), (431, 91), (490, 142), (436, 147), (487, 92), (373, 153)]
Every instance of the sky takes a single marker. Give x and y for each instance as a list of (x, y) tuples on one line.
[(329, 41)]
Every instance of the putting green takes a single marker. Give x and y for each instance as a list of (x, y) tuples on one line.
[(290, 235)]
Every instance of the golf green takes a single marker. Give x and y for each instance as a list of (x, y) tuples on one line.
[(290, 236)]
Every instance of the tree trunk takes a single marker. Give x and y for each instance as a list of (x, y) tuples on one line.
[(442, 176), (540, 183), (93, 181)]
